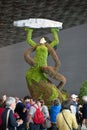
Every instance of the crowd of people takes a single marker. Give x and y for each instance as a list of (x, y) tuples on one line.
[(18, 114)]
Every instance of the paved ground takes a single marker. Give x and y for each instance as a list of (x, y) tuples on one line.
[(71, 13)]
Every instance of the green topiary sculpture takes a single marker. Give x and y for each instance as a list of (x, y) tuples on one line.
[(37, 79)]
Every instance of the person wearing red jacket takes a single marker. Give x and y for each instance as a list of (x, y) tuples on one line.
[(1, 111)]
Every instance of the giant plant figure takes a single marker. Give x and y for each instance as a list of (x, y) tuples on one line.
[(37, 79)]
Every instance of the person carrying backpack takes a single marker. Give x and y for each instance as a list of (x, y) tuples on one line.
[(45, 111), (35, 116)]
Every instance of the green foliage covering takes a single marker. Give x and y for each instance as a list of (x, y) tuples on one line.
[(34, 73), (44, 90), (41, 55), (83, 90), (38, 84), (54, 93)]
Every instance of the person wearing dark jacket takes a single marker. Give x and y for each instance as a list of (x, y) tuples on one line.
[(22, 112), (10, 122), (84, 110)]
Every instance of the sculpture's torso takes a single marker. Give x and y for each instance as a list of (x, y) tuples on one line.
[(41, 54)]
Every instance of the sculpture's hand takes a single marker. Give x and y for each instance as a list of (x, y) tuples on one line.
[(54, 29), (28, 29)]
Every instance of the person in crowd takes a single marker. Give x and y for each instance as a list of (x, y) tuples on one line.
[(30, 124), (22, 112), (80, 116), (4, 97), (65, 119), (44, 108), (10, 121), (54, 110), (1, 111), (76, 109), (45, 111), (26, 101), (74, 105), (84, 110)]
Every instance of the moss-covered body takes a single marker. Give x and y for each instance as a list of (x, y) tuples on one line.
[(40, 59), (37, 80)]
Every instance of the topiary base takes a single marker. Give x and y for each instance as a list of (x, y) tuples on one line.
[(44, 90)]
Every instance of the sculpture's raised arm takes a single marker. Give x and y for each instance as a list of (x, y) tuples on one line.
[(55, 41), (29, 37)]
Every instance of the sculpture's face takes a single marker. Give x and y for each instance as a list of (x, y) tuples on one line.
[(42, 40)]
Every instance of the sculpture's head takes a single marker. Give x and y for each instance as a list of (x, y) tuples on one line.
[(45, 39), (42, 40)]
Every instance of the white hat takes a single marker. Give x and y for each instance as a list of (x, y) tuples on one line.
[(74, 96), (84, 98)]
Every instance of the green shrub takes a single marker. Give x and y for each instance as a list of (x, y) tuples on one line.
[(83, 90)]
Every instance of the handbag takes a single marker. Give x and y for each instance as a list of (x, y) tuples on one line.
[(47, 123), (66, 121)]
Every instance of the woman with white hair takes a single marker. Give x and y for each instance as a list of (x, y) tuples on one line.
[(8, 119)]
